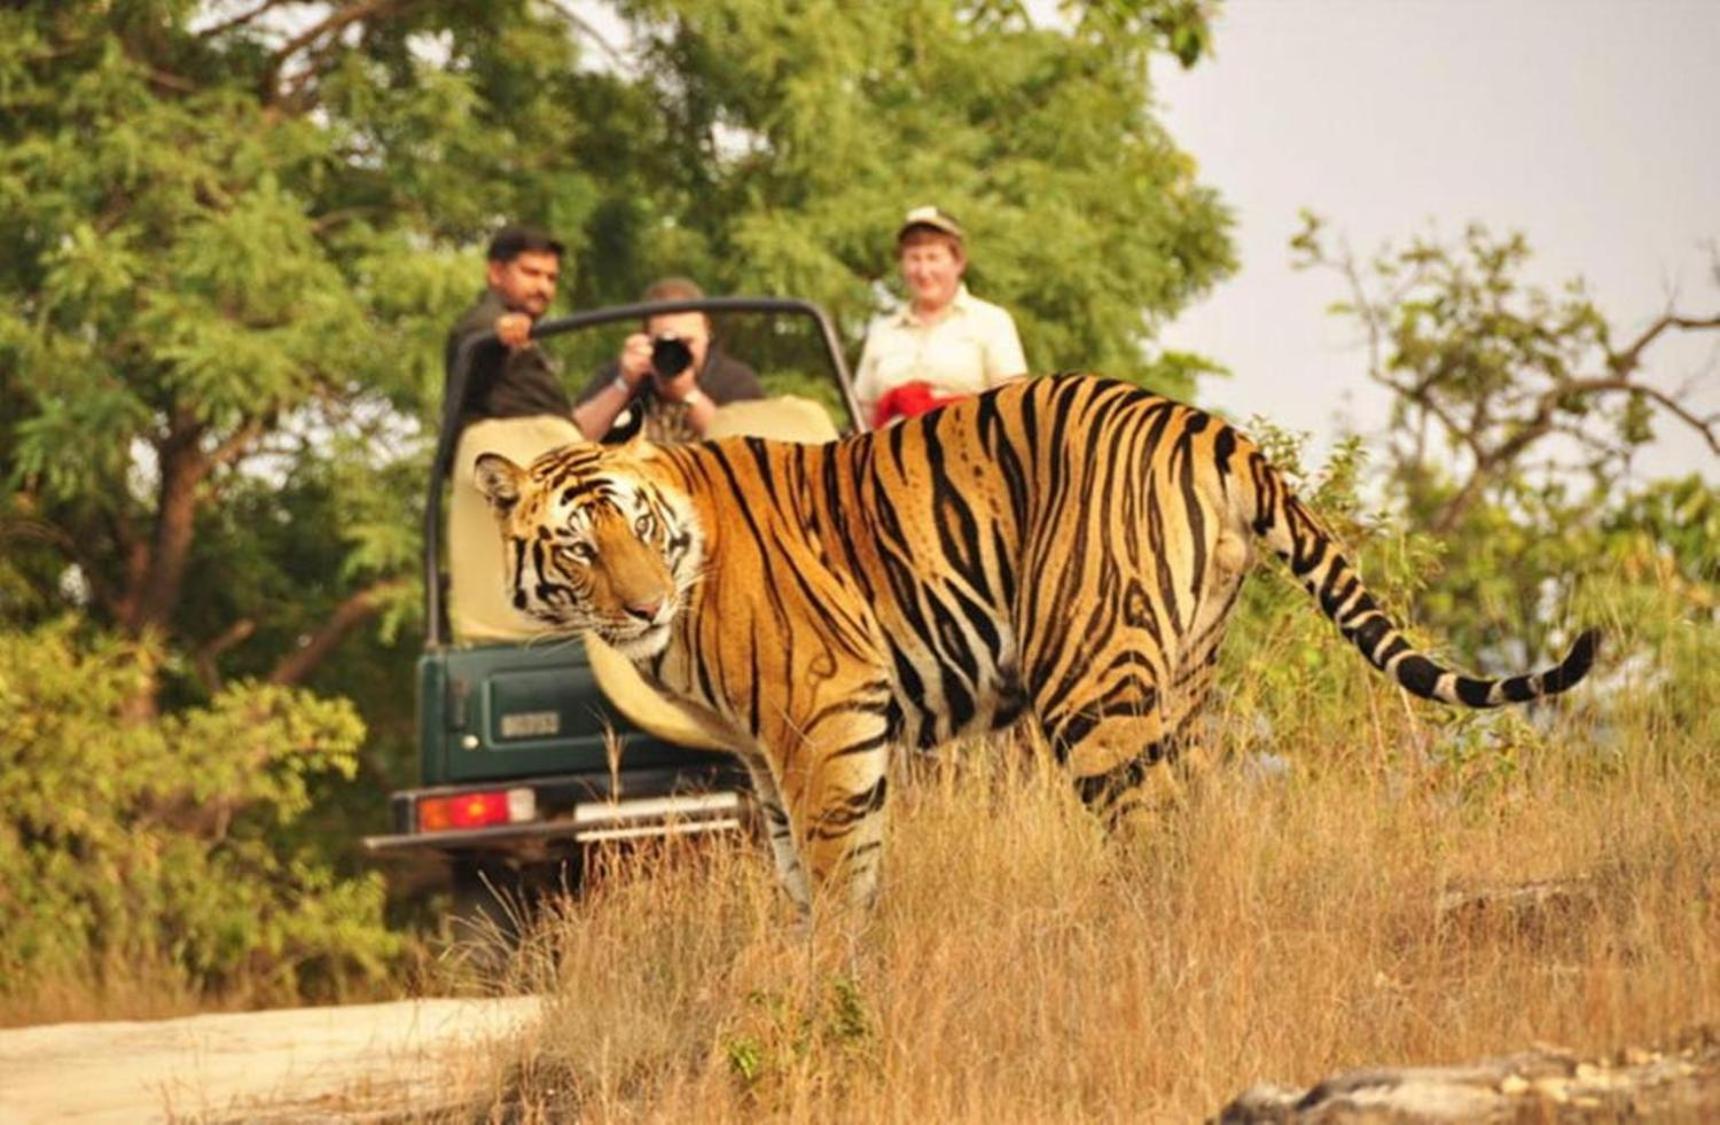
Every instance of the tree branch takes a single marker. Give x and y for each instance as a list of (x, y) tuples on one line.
[(330, 29), (235, 444), (183, 466), (1543, 421), (585, 28), (1705, 426), (336, 22), (1627, 360), (239, 20), (204, 661), (168, 81), (356, 609)]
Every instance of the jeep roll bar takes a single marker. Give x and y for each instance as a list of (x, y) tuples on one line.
[(436, 631)]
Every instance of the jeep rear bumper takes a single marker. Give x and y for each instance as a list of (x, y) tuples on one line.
[(572, 811)]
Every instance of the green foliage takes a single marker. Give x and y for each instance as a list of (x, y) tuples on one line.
[(1515, 413), (784, 149), (158, 843), (1486, 367), (1502, 600), (785, 1032)]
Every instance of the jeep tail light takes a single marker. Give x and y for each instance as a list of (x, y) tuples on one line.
[(481, 809)]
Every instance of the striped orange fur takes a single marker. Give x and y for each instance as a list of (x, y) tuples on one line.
[(1069, 547)]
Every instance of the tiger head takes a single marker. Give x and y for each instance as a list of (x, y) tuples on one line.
[(593, 544)]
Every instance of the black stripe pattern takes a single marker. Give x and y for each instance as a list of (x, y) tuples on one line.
[(1069, 546)]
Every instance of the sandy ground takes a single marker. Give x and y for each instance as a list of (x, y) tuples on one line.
[(291, 1064)]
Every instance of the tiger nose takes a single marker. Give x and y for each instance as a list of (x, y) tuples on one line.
[(645, 610)]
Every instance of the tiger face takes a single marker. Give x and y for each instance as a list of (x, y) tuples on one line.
[(592, 546)]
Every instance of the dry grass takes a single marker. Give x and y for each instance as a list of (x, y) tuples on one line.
[(1023, 967), (1280, 924), (152, 986)]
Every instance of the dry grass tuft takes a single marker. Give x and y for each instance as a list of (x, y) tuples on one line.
[(1024, 967)]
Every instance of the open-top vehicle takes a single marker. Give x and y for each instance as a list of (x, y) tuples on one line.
[(530, 752)]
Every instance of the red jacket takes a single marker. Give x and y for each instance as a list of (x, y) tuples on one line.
[(906, 401)]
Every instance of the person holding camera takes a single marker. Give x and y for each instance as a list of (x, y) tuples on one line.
[(668, 380)]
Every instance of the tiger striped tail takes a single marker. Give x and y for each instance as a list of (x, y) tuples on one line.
[(1296, 535)]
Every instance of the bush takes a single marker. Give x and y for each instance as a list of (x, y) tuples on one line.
[(166, 845)]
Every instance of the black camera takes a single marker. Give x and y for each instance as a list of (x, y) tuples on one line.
[(670, 355)]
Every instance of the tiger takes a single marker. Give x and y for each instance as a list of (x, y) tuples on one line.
[(1068, 548)]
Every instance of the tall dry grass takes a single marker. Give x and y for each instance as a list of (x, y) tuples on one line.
[(1278, 924)]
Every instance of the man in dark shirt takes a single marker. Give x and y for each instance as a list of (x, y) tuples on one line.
[(629, 395), (513, 404), (512, 377)]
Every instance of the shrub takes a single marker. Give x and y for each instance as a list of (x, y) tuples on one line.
[(133, 847)]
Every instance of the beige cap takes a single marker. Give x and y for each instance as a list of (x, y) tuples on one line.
[(932, 218)]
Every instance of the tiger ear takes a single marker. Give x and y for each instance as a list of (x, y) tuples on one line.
[(500, 481), (637, 448)]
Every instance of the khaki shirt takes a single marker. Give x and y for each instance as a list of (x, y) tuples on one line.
[(971, 348)]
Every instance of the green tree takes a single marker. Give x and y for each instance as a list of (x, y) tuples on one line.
[(1515, 412), (1487, 371), (231, 237), (784, 141), (223, 291), (168, 848)]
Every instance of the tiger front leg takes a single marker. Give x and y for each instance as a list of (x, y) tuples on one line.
[(789, 870), (834, 780)]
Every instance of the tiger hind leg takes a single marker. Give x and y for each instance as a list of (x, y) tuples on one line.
[(1120, 762), (1139, 782)]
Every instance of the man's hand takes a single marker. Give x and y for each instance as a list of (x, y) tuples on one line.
[(635, 359), (678, 388), (514, 330)]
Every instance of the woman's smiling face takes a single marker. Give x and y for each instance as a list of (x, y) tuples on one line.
[(932, 267)]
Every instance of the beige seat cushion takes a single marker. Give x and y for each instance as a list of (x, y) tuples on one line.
[(478, 607), (783, 418)]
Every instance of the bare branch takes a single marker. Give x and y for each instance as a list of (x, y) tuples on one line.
[(239, 20), (168, 81), (236, 444), (1471, 439), (322, 224), (1706, 426), (1626, 361), (204, 661), (337, 21), (327, 32), (38, 530), (585, 28), (348, 615)]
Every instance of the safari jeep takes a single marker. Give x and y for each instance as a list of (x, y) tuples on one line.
[(530, 753)]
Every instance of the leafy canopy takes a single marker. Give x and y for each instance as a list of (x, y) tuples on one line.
[(232, 235)]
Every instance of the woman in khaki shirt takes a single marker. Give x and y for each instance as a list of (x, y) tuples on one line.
[(942, 344)]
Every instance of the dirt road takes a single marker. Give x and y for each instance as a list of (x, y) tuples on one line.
[(286, 1064)]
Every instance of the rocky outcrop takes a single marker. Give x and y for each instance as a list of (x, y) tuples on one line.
[(1675, 1085)]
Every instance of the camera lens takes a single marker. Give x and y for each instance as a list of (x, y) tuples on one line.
[(670, 356)]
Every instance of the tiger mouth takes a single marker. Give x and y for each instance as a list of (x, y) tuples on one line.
[(637, 642)]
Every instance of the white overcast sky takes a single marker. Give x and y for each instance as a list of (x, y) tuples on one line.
[(1591, 125)]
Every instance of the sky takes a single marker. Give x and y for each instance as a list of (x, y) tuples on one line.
[(1593, 126)]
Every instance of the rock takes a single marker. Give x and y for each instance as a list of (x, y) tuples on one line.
[(1682, 1084)]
